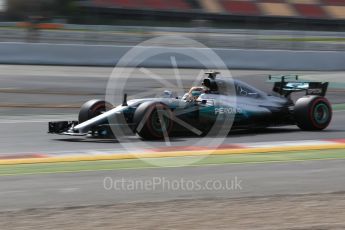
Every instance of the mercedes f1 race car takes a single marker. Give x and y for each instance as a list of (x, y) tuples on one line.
[(217, 104)]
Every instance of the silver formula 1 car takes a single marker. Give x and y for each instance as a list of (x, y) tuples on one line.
[(206, 107)]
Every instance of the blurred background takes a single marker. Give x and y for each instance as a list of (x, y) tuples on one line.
[(274, 24)]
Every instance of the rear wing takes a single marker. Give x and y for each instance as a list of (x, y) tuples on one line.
[(288, 84)]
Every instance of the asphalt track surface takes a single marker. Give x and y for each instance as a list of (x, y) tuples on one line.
[(30, 97), (90, 188)]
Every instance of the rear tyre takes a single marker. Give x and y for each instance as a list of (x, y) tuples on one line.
[(92, 109), (313, 113), (153, 120)]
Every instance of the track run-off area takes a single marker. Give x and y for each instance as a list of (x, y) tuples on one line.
[(31, 96)]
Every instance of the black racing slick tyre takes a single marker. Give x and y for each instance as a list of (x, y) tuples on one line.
[(92, 109), (154, 120), (313, 113)]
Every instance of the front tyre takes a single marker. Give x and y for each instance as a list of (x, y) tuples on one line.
[(313, 113), (92, 109), (153, 120)]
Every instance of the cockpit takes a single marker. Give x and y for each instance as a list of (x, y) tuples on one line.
[(208, 86), (194, 93)]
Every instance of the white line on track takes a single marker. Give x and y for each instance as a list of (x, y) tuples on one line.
[(35, 118), (57, 117)]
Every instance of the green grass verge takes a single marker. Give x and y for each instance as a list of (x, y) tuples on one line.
[(338, 107), (169, 162), (306, 39)]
